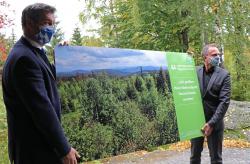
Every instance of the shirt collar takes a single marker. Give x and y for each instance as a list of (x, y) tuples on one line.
[(33, 43)]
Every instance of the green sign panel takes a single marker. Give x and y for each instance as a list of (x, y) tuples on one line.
[(186, 94)]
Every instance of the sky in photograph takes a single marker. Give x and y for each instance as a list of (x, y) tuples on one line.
[(70, 58), (67, 13)]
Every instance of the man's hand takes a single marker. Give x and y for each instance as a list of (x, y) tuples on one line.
[(71, 157), (207, 129)]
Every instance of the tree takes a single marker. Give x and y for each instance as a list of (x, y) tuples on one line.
[(64, 99), (3, 49), (140, 84), (162, 24), (5, 21), (149, 103), (92, 41), (134, 25), (76, 39), (149, 82), (132, 130), (12, 38), (177, 26), (115, 115), (238, 26), (161, 82), (131, 90)]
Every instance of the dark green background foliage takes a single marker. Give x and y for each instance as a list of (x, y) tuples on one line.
[(105, 115), (178, 26)]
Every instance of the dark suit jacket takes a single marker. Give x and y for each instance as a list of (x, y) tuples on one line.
[(33, 108), (216, 97)]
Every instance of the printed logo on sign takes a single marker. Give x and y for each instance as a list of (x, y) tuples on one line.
[(173, 67)]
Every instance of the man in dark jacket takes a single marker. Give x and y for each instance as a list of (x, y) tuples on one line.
[(30, 95), (215, 91)]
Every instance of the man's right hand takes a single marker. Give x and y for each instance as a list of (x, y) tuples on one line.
[(207, 129), (71, 157)]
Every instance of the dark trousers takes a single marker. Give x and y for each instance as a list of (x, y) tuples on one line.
[(214, 142)]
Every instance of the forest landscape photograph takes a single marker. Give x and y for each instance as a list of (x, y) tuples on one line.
[(115, 101)]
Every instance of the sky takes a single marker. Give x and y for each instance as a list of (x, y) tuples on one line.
[(69, 58), (67, 13)]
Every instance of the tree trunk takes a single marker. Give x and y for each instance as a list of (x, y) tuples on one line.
[(185, 41)]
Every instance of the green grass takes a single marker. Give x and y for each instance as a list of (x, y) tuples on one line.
[(3, 132)]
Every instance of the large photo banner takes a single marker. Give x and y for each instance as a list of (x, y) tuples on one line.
[(116, 101)]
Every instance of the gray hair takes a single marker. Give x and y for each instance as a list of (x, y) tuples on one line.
[(206, 48), (36, 12)]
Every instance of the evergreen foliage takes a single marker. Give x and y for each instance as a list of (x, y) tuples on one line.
[(105, 115)]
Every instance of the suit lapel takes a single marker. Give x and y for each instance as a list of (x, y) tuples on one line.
[(200, 76), (211, 81), (38, 56), (44, 64)]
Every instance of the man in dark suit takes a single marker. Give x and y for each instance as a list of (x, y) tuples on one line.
[(30, 95), (215, 91)]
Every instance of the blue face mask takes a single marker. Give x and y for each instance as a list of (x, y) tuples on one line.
[(45, 34), (215, 61)]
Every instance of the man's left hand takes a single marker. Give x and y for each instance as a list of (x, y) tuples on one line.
[(207, 129)]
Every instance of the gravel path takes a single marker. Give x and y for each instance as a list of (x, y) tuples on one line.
[(230, 156)]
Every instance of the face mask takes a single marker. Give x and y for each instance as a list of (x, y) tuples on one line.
[(215, 61), (45, 34)]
